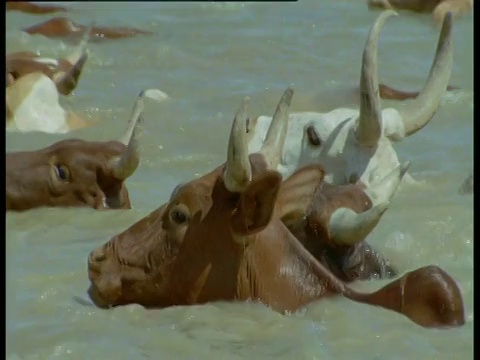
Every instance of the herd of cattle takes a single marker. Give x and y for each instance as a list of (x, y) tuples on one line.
[(283, 221)]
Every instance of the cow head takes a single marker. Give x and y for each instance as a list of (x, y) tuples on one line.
[(63, 72), (75, 172), (217, 234), (357, 145)]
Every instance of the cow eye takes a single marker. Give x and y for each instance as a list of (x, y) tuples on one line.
[(62, 172), (178, 216)]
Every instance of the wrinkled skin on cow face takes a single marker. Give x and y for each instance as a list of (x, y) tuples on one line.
[(71, 172)]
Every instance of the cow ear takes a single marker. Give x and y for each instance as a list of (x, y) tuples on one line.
[(296, 192), (256, 204)]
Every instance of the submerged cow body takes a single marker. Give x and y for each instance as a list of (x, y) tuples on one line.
[(63, 28), (225, 236), (64, 72), (30, 8), (357, 145), (76, 173), (438, 8)]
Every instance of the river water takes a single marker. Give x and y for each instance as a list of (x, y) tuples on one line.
[(207, 57)]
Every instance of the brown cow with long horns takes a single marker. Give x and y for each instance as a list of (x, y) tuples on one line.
[(222, 237), (77, 173)]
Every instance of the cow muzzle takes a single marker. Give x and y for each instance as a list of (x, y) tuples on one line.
[(105, 278)]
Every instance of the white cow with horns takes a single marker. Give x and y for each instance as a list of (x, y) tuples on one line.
[(357, 145)]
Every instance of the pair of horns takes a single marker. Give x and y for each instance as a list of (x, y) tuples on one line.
[(420, 110), (238, 172)]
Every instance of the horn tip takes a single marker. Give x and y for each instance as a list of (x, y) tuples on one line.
[(154, 94), (447, 19)]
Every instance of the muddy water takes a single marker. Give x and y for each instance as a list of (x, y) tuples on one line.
[(207, 57)]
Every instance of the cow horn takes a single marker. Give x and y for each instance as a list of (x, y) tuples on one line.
[(238, 172), (272, 147), (420, 110), (125, 165), (81, 49), (348, 228), (384, 189), (369, 123), (67, 81)]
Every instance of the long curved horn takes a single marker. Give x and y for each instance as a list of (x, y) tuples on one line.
[(272, 147), (238, 172), (346, 227), (124, 166), (384, 189), (420, 111), (369, 122), (67, 81)]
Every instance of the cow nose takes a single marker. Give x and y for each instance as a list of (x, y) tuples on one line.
[(98, 255)]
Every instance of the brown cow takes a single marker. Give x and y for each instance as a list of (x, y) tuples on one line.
[(221, 238), (63, 28), (22, 63), (438, 7), (76, 173), (30, 8)]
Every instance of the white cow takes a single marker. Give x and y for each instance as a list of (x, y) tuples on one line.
[(357, 144), (33, 104)]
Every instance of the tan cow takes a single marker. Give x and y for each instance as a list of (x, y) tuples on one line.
[(438, 8), (221, 238), (29, 8), (66, 29), (76, 173), (64, 72)]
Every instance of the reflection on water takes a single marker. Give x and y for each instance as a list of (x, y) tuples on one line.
[(207, 57)]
